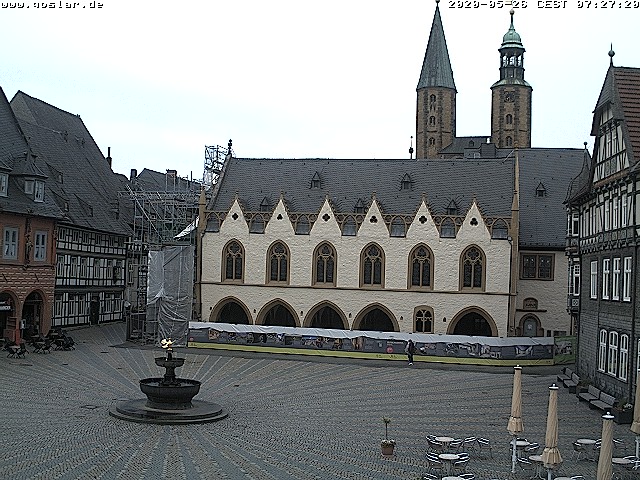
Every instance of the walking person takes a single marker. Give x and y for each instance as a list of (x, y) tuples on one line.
[(410, 349)]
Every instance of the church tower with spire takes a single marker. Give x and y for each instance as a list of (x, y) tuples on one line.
[(436, 105), (511, 96)]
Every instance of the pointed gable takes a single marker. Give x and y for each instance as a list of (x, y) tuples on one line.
[(436, 67)]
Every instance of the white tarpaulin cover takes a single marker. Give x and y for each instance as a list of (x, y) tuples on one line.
[(170, 291), (336, 333)]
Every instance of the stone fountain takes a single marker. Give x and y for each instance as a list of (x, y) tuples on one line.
[(169, 399)]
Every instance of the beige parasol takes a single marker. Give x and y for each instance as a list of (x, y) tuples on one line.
[(551, 457), (606, 449), (515, 425), (635, 426)]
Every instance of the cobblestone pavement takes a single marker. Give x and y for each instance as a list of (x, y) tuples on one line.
[(289, 417)]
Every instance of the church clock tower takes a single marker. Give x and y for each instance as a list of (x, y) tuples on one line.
[(511, 96), (436, 106)]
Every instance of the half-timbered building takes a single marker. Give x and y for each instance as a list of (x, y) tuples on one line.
[(602, 239)]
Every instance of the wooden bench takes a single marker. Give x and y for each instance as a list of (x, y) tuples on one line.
[(572, 383), (565, 374), (592, 393), (605, 402)]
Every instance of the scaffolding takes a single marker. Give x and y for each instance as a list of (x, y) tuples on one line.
[(214, 157), (161, 219)]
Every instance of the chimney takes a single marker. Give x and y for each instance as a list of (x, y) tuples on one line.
[(133, 174), (109, 156)]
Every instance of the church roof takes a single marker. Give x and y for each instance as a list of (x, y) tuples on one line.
[(78, 174), (436, 67), (511, 38)]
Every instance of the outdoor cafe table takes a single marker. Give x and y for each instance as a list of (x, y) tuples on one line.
[(521, 445), (448, 459), (444, 440), (589, 444), (537, 461)]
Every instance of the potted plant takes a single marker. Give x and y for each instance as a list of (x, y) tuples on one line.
[(387, 445), (622, 412)]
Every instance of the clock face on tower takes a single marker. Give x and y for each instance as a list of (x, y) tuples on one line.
[(509, 97)]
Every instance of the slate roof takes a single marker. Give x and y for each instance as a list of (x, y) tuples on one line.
[(460, 144), (543, 220), (436, 67), (489, 180), (77, 171), (152, 181), (347, 181), (17, 160)]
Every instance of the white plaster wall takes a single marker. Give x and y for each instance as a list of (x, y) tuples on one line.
[(551, 295), (445, 299)]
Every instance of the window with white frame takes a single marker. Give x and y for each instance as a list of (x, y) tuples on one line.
[(607, 214), (594, 279), (624, 210), (4, 184), (10, 245), (624, 357), (626, 280), (606, 272), (615, 284), (602, 351), (612, 359), (40, 247), (575, 279), (615, 211), (28, 187), (38, 191)]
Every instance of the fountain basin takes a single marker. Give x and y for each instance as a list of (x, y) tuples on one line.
[(176, 396), (169, 400)]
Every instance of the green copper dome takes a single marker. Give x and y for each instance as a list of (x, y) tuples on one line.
[(511, 38)]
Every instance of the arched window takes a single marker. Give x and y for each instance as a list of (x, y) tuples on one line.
[(233, 261), (612, 360), (509, 141), (499, 230), (432, 141), (432, 120), (423, 321), (624, 357), (602, 350), (472, 268), (278, 259), (448, 229), (372, 266), (324, 265), (420, 270), (509, 119), (432, 98), (349, 227)]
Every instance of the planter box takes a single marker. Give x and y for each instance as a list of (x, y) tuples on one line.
[(622, 417)]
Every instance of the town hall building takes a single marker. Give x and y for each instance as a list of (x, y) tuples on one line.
[(467, 238)]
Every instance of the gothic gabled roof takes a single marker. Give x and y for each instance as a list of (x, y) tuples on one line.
[(622, 88), (76, 169), (16, 159), (490, 181), (348, 181), (436, 67)]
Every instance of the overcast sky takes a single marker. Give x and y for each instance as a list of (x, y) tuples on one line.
[(157, 81)]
